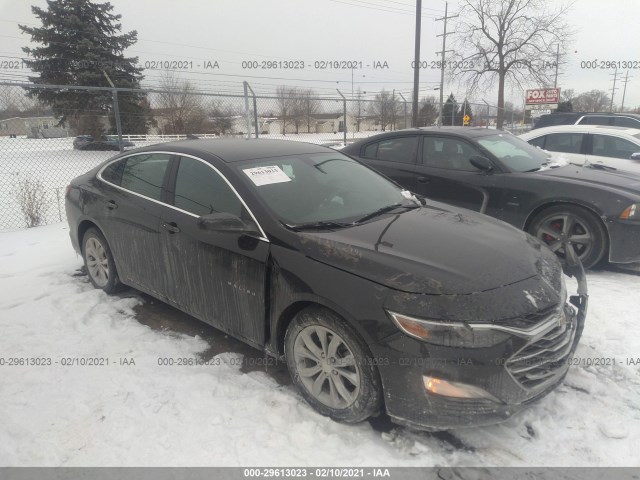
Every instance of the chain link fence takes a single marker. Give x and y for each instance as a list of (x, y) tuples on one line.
[(41, 151)]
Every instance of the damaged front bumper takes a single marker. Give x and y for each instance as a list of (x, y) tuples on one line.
[(435, 387)]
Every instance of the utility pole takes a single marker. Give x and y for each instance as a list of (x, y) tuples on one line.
[(404, 103), (116, 111), (442, 55), (613, 90), (624, 91), (555, 83), (416, 65)]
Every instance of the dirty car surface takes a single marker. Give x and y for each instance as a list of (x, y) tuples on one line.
[(377, 299)]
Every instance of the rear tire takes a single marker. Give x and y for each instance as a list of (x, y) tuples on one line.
[(331, 367), (99, 262), (581, 227)]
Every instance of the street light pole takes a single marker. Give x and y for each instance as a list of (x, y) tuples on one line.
[(442, 57), (416, 64), (555, 83)]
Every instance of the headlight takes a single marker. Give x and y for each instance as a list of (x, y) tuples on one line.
[(448, 334), (632, 212)]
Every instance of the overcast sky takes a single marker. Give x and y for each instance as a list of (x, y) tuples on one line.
[(367, 31)]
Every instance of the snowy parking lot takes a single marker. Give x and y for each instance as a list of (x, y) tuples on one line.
[(129, 408)]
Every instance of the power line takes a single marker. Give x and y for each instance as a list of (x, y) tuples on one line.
[(444, 51), (371, 6)]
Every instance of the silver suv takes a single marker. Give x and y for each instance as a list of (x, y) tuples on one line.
[(629, 120)]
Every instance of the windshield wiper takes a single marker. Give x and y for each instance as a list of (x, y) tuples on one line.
[(386, 209), (600, 166), (537, 169), (322, 225)]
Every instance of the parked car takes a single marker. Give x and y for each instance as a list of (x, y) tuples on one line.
[(108, 142), (616, 147), (441, 316), (503, 176), (629, 120)]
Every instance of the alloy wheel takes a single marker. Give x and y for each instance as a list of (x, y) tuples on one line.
[(326, 367), (97, 261), (559, 228)]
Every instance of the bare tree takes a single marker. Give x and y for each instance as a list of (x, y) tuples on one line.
[(181, 108), (285, 102), (222, 118), (592, 101), (384, 109), (509, 40), (358, 108), (567, 96), (309, 106)]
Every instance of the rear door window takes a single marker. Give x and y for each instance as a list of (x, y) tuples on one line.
[(538, 142), (144, 174), (397, 149), (595, 120), (564, 142)]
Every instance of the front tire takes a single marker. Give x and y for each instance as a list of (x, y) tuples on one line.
[(584, 231), (330, 365), (99, 262)]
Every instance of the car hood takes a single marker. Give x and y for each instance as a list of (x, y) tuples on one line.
[(617, 179), (438, 250)]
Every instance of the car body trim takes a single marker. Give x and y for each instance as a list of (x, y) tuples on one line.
[(263, 236), (542, 327)]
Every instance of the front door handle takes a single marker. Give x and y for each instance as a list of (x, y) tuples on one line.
[(111, 205), (424, 179), (171, 227)]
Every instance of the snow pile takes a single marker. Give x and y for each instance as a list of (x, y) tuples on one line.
[(151, 415)]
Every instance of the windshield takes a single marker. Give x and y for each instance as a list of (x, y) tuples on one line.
[(325, 187), (514, 152)]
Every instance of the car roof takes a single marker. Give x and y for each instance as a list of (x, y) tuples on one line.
[(237, 150), (463, 131), (593, 114), (622, 131)]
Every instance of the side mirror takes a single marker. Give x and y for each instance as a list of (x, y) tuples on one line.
[(635, 156), (226, 223), (481, 163)]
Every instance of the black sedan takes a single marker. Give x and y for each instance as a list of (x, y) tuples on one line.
[(595, 210), (441, 316), (108, 142)]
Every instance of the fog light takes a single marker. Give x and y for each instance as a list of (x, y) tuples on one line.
[(437, 386)]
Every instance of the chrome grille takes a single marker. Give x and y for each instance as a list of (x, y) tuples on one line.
[(545, 357), (527, 321)]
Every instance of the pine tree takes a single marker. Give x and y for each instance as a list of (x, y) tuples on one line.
[(449, 111), (465, 109), (79, 41)]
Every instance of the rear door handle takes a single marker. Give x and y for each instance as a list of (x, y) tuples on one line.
[(424, 179), (111, 205), (171, 227)]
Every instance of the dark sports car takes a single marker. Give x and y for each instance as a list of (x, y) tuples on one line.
[(376, 300), (596, 209), (108, 142)]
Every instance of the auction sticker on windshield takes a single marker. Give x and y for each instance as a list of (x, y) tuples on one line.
[(266, 175)]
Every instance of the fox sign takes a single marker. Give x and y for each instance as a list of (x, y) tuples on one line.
[(543, 95)]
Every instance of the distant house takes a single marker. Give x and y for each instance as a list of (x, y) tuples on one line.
[(33, 127), (365, 123), (316, 123)]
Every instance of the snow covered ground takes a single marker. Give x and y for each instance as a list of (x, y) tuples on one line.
[(151, 415)]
